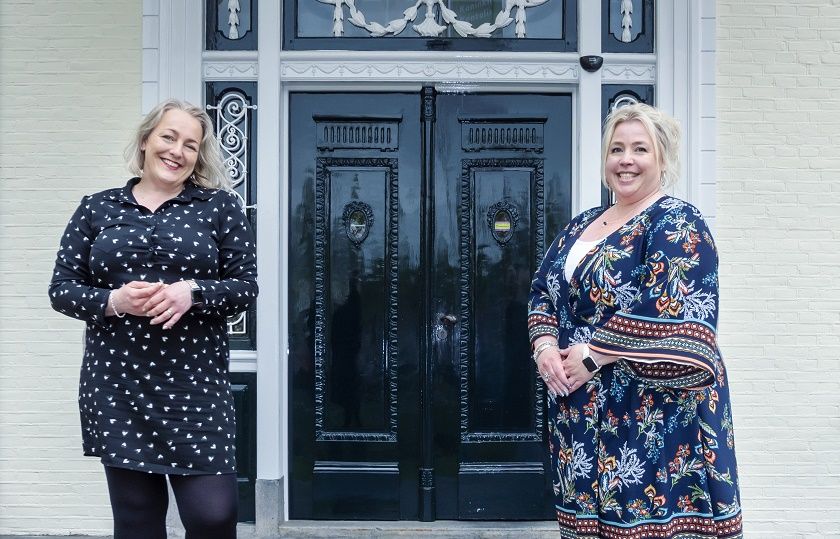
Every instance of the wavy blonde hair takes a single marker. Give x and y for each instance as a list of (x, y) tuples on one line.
[(662, 129), (209, 171)]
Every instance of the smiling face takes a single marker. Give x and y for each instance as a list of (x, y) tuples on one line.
[(632, 168), (171, 150)]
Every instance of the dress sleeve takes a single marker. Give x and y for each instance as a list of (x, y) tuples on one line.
[(70, 290), (667, 335), (236, 289), (545, 292)]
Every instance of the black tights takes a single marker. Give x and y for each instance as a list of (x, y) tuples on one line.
[(207, 504)]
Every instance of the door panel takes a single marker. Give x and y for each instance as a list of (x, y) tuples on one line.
[(412, 245), (502, 180), (353, 261), (356, 234)]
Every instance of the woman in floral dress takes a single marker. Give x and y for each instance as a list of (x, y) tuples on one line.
[(622, 319)]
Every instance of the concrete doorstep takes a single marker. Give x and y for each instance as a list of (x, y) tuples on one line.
[(305, 529)]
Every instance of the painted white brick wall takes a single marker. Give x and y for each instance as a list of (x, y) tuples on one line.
[(778, 228), (70, 96), (71, 92)]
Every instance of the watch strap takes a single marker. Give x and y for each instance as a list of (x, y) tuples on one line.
[(589, 362)]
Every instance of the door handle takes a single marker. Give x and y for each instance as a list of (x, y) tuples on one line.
[(445, 323), (448, 319)]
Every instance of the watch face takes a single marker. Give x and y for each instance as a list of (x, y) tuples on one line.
[(590, 364)]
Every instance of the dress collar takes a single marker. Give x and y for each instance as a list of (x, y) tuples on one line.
[(187, 194)]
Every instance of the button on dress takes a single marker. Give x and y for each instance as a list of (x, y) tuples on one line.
[(154, 399)]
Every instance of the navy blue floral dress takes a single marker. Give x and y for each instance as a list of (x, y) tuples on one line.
[(151, 399), (645, 448)]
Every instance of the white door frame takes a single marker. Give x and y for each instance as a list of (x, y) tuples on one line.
[(175, 65)]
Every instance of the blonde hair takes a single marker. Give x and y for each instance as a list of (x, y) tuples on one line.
[(662, 129), (210, 170)]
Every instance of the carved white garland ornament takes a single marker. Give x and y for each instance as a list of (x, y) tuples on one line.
[(429, 27), (626, 9), (233, 19)]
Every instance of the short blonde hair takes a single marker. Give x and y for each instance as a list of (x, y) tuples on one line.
[(210, 170), (662, 129)]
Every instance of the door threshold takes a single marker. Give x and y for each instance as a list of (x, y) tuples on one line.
[(443, 529)]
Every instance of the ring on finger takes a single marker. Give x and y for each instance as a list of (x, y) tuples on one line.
[(169, 312)]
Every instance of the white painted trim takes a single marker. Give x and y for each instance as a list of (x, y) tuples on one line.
[(628, 69), (230, 65), (272, 216), (675, 84), (692, 126), (151, 55), (586, 187), (181, 44), (350, 66)]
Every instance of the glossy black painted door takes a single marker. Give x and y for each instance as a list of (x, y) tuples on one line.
[(353, 296), (416, 224), (502, 185)]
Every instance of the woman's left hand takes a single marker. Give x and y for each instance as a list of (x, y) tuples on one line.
[(169, 304), (576, 372)]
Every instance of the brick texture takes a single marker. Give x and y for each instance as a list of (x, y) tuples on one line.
[(70, 97), (778, 229)]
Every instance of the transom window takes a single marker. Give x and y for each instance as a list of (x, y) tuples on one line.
[(527, 25)]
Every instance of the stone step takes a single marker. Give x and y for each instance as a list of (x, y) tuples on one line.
[(323, 529), (405, 530)]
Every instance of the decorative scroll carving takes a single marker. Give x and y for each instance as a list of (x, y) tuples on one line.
[(428, 107), (232, 132), (622, 100), (343, 134), (492, 216), (322, 178), (238, 325), (430, 27), (232, 128), (357, 232), (502, 135), (427, 478), (465, 71), (465, 285)]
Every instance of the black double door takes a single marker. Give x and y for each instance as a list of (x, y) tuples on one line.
[(416, 223)]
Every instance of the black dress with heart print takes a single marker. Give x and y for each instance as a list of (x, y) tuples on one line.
[(154, 399)]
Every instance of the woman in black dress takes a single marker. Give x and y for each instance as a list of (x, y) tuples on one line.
[(154, 268)]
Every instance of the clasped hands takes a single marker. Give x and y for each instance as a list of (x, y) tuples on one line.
[(562, 369), (164, 303)]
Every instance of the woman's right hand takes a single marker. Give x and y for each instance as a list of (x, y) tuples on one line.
[(131, 297), (550, 367)]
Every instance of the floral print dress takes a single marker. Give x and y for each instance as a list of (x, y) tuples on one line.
[(645, 448)]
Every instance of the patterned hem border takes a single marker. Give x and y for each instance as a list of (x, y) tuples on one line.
[(682, 527)]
